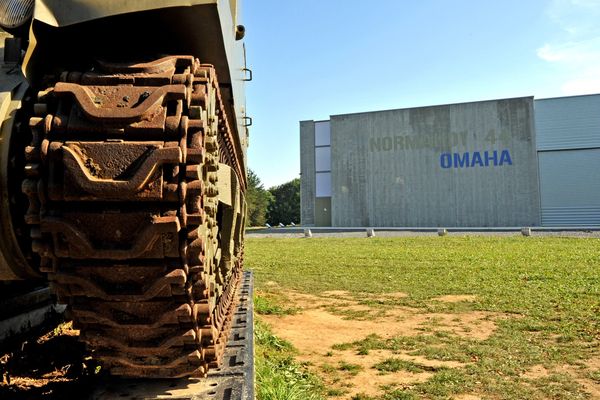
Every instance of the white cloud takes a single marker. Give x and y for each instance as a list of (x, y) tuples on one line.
[(576, 17), (547, 53), (581, 86), (574, 53), (577, 53)]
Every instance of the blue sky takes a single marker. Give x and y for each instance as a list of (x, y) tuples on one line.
[(315, 58)]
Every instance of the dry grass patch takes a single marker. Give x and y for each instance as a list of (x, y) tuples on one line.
[(455, 298), (540, 373), (366, 379), (325, 321)]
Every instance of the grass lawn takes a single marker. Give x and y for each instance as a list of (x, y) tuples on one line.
[(541, 294)]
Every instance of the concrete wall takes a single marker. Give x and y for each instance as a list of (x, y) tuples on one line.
[(307, 173), (408, 167)]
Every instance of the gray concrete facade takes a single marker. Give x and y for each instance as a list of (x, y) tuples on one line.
[(459, 165), (307, 173)]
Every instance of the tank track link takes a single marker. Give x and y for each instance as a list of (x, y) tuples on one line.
[(122, 182)]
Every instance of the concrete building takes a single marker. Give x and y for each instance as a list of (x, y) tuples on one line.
[(498, 163)]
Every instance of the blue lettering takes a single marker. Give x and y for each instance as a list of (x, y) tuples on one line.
[(488, 158), (505, 158), (461, 162), (446, 160), (476, 159)]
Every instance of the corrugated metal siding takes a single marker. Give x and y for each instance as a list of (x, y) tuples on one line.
[(568, 122), (570, 187), (571, 216)]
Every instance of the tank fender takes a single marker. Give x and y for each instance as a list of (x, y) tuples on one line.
[(55, 13)]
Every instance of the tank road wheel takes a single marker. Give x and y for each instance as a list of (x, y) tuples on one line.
[(122, 180)]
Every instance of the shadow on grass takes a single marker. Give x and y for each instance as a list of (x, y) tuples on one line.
[(47, 363)]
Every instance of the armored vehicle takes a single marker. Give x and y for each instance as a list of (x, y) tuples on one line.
[(123, 172)]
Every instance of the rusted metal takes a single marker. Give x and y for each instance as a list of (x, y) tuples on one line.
[(122, 181), (234, 380), (139, 235), (167, 65), (120, 103), (84, 178)]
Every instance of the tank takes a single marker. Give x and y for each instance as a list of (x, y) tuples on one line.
[(123, 172)]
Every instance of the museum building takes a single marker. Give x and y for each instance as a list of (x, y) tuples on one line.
[(498, 163)]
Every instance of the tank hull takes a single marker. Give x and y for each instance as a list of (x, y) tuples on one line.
[(123, 176)]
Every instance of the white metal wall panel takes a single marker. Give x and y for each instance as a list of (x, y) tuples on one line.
[(568, 122), (322, 133), (323, 159), (323, 184), (570, 187)]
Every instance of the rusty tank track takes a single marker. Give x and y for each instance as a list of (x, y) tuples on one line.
[(121, 177)]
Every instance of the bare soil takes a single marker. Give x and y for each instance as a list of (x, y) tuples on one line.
[(590, 386), (453, 298), (323, 316)]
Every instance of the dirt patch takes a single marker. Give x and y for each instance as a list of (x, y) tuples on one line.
[(467, 397), (455, 298), (577, 374), (337, 293), (327, 320), (307, 301), (536, 372), (314, 331), (354, 307), (429, 363), (365, 380), (395, 295), (478, 325), (591, 387), (593, 363)]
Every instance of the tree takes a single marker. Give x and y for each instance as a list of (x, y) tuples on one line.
[(257, 199), (285, 207)]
